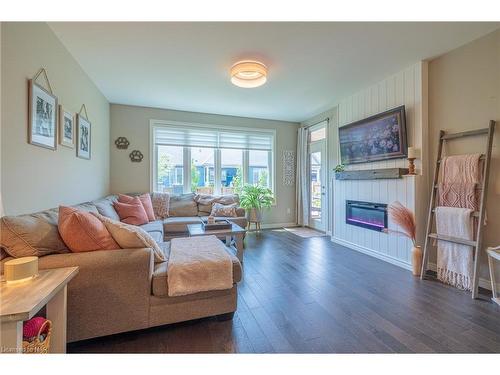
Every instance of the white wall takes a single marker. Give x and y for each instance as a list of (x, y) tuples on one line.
[(35, 178), (133, 122), (407, 87), (464, 94)]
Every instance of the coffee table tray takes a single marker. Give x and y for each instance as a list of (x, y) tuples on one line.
[(219, 224)]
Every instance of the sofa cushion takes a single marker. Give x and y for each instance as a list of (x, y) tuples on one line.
[(156, 236), (161, 204), (105, 207), (133, 237), (31, 235), (145, 200), (179, 224), (206, 201), (160, 278), (82, 231), (153, 227), (182, 205), (219, 209), (132, 212), (86, 206)]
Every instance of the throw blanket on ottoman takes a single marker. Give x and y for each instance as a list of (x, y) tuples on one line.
[(198, 264)]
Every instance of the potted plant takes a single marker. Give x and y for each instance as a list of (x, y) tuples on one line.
[(253, 198), (405, 219)]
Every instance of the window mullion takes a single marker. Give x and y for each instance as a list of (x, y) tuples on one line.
[(187, 169), (217, 172), (245, 167)]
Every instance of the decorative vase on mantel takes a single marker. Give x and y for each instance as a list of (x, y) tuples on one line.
[(416, 260)]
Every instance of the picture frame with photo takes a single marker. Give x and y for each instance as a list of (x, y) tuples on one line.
[(66, 128), (42, 116), (83, 137)]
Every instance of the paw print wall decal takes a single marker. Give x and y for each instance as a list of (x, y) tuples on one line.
[(122, 143), (136, 156)]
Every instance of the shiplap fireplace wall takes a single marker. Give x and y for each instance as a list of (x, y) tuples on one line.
[(408, 87)]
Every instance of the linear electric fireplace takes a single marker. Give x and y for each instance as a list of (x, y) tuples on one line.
[(366, 215)]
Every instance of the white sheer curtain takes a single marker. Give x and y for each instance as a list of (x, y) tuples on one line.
[(302, 183)]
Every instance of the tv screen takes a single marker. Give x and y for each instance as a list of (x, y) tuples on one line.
[(379, 137)]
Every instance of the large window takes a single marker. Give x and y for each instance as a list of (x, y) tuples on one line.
[(202, 170), (210, 160)]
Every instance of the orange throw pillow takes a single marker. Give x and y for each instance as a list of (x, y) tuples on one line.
[(132, 213), (145, 200), (81, 231)]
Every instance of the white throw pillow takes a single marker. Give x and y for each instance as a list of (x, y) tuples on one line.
[(131, 237)]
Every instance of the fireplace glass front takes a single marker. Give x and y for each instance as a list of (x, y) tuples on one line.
[(366, 215)]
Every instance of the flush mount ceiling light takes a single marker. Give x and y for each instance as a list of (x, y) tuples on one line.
[(248, 74)]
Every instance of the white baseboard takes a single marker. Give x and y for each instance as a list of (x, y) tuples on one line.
[(483, 283), (373, 253), (277, 225)]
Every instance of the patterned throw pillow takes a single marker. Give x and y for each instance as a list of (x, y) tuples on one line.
[(224, 210), (131, 237), (161, 204)]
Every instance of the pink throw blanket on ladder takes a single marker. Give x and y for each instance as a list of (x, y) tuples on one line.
[(457, 198), (458, 179)]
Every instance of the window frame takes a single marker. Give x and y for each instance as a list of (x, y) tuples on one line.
[(153, 157)]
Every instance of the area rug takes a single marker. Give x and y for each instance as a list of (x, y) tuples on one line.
[(305, 232)]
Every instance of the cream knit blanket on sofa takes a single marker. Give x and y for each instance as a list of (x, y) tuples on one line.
[(198, 264)]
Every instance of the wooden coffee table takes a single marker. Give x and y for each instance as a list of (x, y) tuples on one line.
[(234, 236)]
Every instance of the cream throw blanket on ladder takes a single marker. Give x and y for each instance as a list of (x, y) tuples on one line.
[(198, 264), (454, 261)]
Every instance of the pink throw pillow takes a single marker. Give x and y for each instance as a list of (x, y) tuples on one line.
[(145, 200), (81, 231), (131, 213)]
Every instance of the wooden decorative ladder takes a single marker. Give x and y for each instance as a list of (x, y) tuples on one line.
[(478, 242)]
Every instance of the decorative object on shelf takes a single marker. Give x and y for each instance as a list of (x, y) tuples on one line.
[(42, 113), (413, 153), (36, 335), (372, 174), (253, 199), (379, 137), (84, 137), (288, 167), (122, 143), (339, 168), (66, 128), (405, 219), (136, 156), (20, 269), (248, 74)]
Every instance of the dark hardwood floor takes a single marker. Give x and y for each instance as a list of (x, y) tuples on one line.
[(313, 296)]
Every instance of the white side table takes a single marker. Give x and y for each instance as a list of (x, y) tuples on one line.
[(493, 254), (22, 301)]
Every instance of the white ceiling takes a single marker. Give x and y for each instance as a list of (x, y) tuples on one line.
[(185, 66)]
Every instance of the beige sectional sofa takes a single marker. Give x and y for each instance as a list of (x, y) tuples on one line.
[(120, 290)]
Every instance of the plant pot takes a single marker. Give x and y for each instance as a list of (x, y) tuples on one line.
[(254, 215), (416, 260)]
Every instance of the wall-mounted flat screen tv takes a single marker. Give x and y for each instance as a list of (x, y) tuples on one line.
[(379, 137)]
